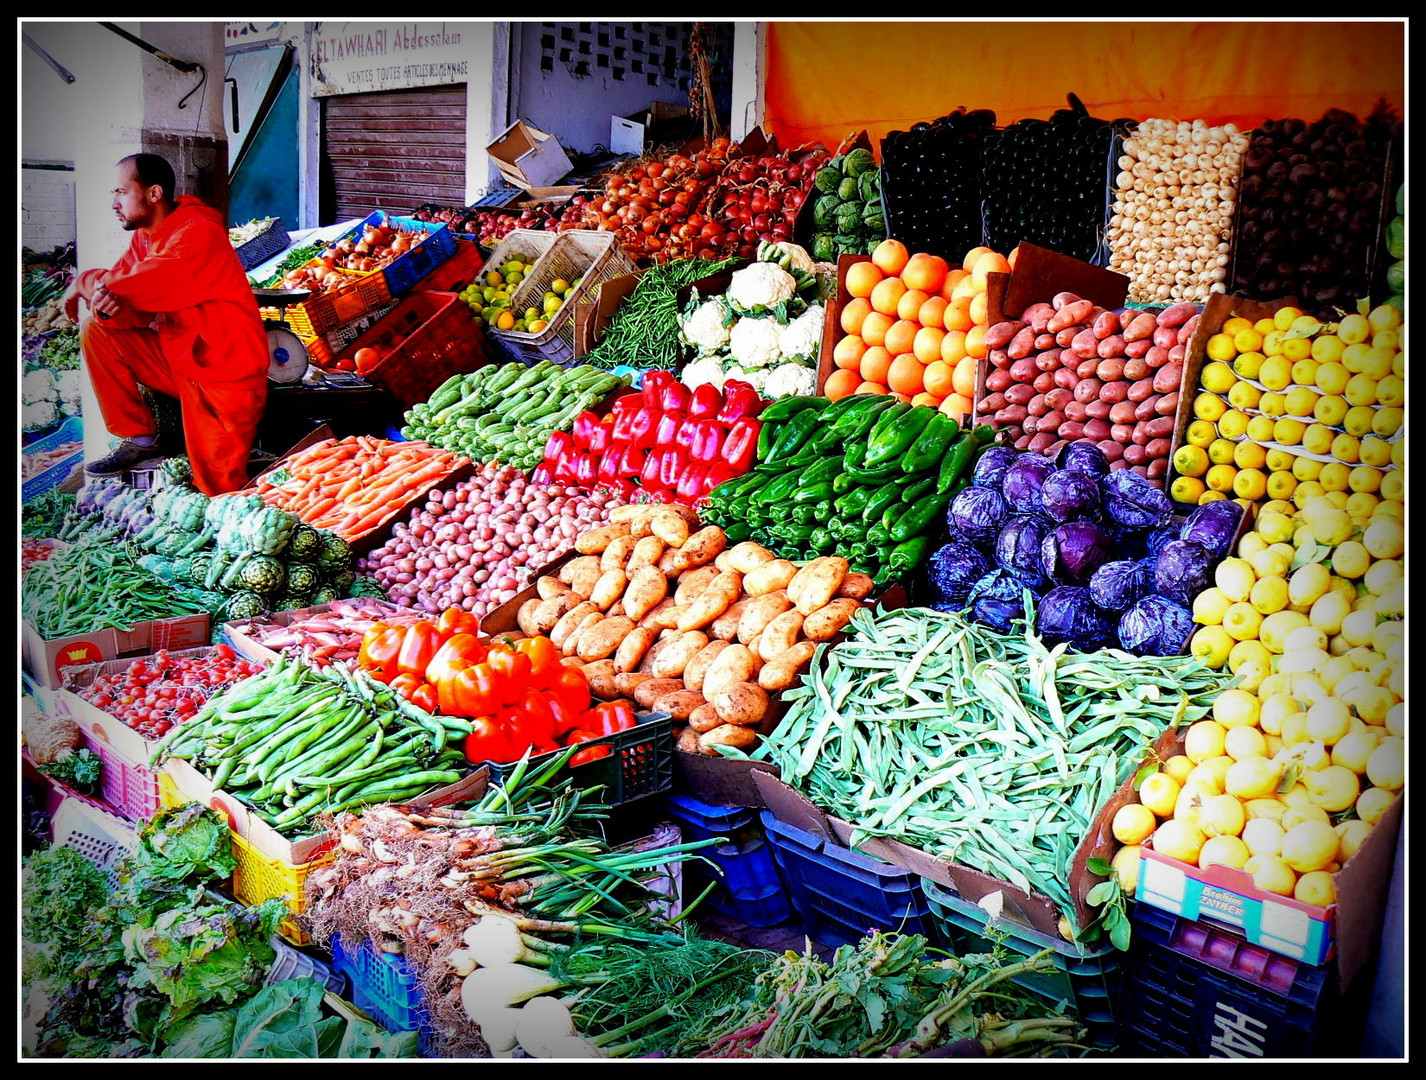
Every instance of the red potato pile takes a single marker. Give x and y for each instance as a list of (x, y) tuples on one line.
[(476, 545), (1072, 370)]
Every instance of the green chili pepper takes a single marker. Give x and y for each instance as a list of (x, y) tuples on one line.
[(857, 421), (938, 436), (881, 498), (793, 435), (892, 514), (955, 464), (889, 443), (919, 517), (787, 407)]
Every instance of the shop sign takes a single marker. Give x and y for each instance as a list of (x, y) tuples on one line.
[(261, 32), (356, 58)]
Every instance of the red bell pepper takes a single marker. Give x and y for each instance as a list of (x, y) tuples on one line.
[(469, 690), (671, 466), (652, 387), (705, 402), (649, 474), (601, 436), (610, 462), (572, 688), (406, 684), (624, 420), (675, 397), (543, 473), (545, 660), (556, 444), (627, 402), (643, 427), (566, 719), (720, 472), (426, 697), (740, 399), (707, 444), (590, 753), (456, 620), (623, 490), (586, 470), (668, 427), (686, 433), (584, 425), (631, 462), (608, 717), (380, 648), (690, 481), (487, 742), (459, 648), (564, 465), (512, 672), (741, 445), (418, 647), (539, 717)]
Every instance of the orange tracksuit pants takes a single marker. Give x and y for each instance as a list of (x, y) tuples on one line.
[(220, 419)]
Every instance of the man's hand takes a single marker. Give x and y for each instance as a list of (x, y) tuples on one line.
[(104, 303), (72, 297)]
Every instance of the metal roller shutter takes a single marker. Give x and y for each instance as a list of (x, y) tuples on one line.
[(393, 151)]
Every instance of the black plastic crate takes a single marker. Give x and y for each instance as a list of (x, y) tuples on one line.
[(641, 762), (1193, 989), (841, 894), (749, 889), (1085, 978)]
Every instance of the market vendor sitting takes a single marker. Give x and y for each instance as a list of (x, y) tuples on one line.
[(176, 314)]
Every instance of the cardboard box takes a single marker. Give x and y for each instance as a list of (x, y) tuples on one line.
[(632, 133), (46, 659), (528, 157)]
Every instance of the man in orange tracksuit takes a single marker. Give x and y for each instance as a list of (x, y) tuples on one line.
[(176, 314)]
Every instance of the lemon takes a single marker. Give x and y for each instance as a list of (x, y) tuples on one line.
[(1357, 627), (1234, 578), (1338, 667), (1249, 365), (1317, 438), (1354, 328), (1245, 654), (1274, 710), (1350, 559), (1384, 317), (1244, 395), (1244, 744), (1285, 316), (1386, 765), (1307, 637), (1191, 460), (1391, 604), (1219, 348), (1202, 432), (1289, 432), (1250, 485), (1309, 845), (1274, 372), (1209, 407), (1272, 405), (1234, 708), (1393, 487), (1271, 874), (1260, 430), (1327, 720), (1353, 750), (1302, 661), (1210, 645), (1241, 621), (1270, 808), (1384, 539), (1158, 793), (1380, 574), (1296, 348), (1187, 489), (1316, 888), (1350, 835), (1360, 505), (1305, 470), (1273, 562), (1377, 362), (1178, 766), (1181, 840), (1125, 865), (559, 286), (1133, 823), (1362, 390), (1334, 788), (1223, 851), (1386, 421), (1373, 803), (1330, 410), (1220, 451), (1203, 740), (1396, 719), (1222, 815), (1251, 544), (1334, 478), (1390, 391), (1233, 424), (1300, 401), (1374, 451), (1248, 340), (1281, 484), (538, 325), (1305, 811), (1330, 526), (1262, 835), (1269, 595), (1219, 478)]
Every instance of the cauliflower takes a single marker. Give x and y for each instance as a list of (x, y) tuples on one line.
[(802, 337), (38, 414), (761, 284), (786, 254), (754, 342), (706, 369), (70, 391), (37, 386), (787, 380), (756, 378), (705, 328)]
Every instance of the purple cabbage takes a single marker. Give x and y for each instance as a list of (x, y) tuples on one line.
[(1155, 540), (997, 600), (1022, 482), (1213, 524), (1017, 548), (990, 466), (1156, 627), (1084, 457), (1131, 502), (1117, 585), (953, 569), (977, 514), (1072, 552), (1068, 614), (1070, 496), (1183, 569)]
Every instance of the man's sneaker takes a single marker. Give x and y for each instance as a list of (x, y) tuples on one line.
[(124, 458)]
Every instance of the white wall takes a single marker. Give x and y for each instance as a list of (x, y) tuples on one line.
[(46, 209)]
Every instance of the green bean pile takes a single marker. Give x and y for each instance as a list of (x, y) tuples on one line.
[(293, 742), (644, 331), (92, 584), (987, 749)]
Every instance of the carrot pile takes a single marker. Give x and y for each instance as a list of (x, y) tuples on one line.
[(353, 485)]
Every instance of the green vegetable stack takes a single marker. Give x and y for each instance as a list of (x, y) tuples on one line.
[(847, 215), (867, 477), (1396, 248), (505, 412)]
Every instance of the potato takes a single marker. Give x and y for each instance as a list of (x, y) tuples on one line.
[(569, 570), (646, 588), (725, 626), (722, 563), (662, 615), (608, 588), (687, 741), (697, 667), (829, 619), (857, 586), (585, 579), (649, 691), (692, 582), (647, 552), (603, 639), (674, 657), (760, 611), (720, 594), (735, 664), (781, 673), (679, 704), (549, 586), (566, 623), (780, 634), (525, 616), (734, 735), (817, 582), (639, 523), (626, 682), (770, 577), (748, 556), (571, 643), (594, 541), (701, 548), (600, 674), (617, 553), (704, 718), (742, 703), (631, 650), (670, 564), (669, 526), (646, 665)]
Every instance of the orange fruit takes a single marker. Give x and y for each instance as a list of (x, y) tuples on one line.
[(874, 328), (989, 263), (909, 306), (890, 256), (929, 400), (841, 383), (957, 405), (964, 378), (957, 315), (953, 346), (975, 342), (980, 309), (901, 397), (927, 346), (847, 353), (853, 314), (964, 288), (933, 311), (887, 295), (954, 277), (924, 272), (901, 337), (904, 376), (876, 361), (938, 378), (871, 388), (862, 278), (1014, 253), (968, 263)]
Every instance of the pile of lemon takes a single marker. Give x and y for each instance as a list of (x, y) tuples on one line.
[(1291, 408), (491, 297), (1307, 751)]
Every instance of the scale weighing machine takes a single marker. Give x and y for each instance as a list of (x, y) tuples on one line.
[(289, 362)]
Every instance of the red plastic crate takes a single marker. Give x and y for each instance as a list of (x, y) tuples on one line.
[(455, 273)]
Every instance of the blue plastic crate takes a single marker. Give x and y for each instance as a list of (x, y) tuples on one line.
[(749, 889), (841, 894), (385, 988), (72, 430), (411, 266)]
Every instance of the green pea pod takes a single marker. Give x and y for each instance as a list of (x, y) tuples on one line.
[(932, 444), (888, 444)]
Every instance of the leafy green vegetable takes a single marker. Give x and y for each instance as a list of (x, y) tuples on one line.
[(183, 844), (80, 770), (45, 515), (62, 890)]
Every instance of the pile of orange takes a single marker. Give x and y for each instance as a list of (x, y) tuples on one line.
[(915, 327)]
